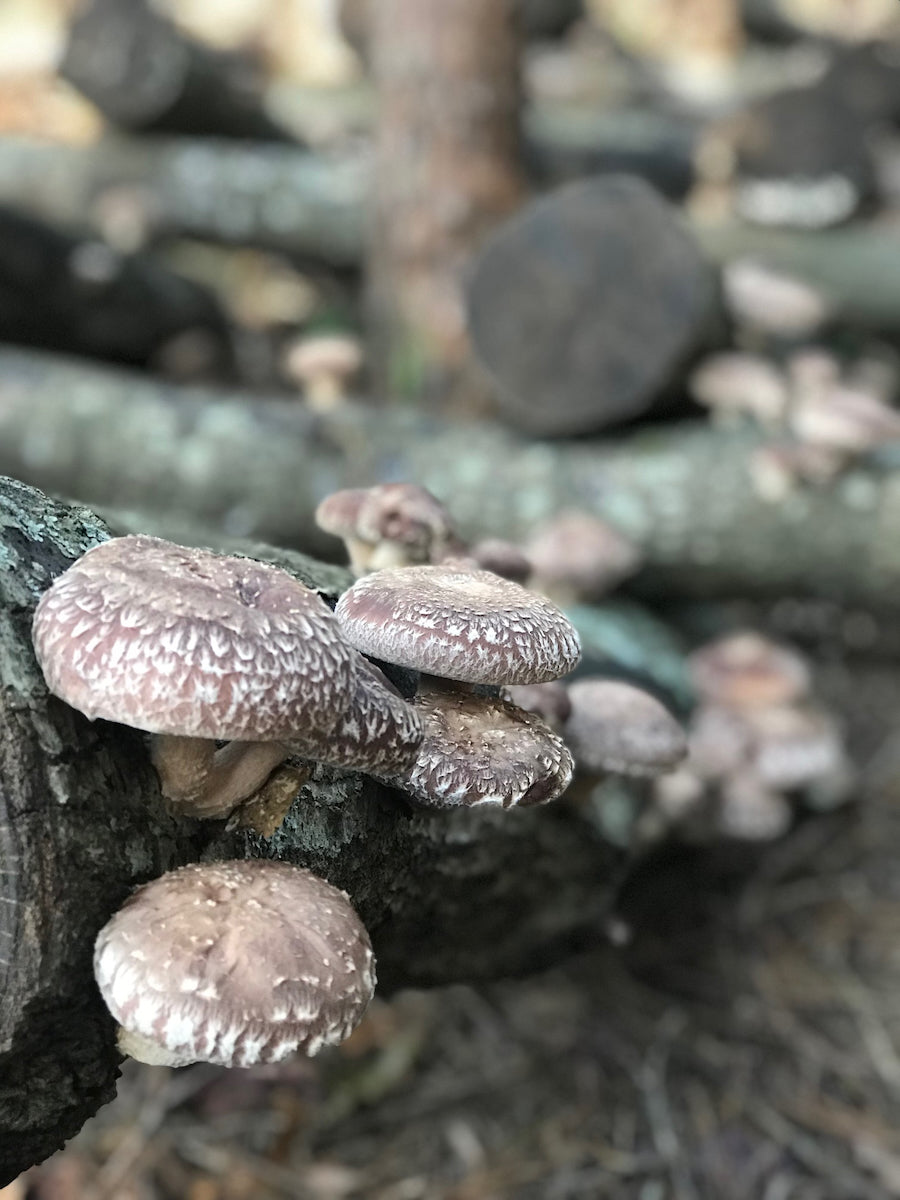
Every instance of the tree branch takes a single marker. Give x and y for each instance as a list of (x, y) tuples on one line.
[(258, 468)]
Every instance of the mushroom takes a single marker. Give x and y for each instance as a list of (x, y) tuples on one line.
[(746, 670), (234, 963), (389, 525), (576, 556), (770, 301), (619, 728), (550, 701), (324, 363), (502, 558), (480, 750), (465, 625), (195, 647), (471, 627), (733, 383)]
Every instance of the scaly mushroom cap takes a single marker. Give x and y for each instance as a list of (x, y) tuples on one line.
[(468, 625), (484, 751), (620, 728), (235, 963), (379, 732), (747, 670), (193, 644)]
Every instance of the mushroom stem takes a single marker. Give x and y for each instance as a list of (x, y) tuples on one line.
[(205, 782)]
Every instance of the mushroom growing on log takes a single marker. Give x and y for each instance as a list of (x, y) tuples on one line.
[(458, 895)]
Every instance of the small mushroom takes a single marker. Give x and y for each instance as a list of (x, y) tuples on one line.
[(389, 525), (844, 419), (750, 811), (576, 556), (324, 364), (770, 301), (478, 750), (465, 625), (195, 647), (234, 963), (747, 670), (732, 383), (618, 728)]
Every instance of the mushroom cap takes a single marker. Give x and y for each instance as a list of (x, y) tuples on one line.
[(737, 382), (550, 701), (401, 515), (379, 732), (582, 553), (773, 301), (189, 643), (747, 670), (339, 512), (336, 354), (617, 727), (846, 418), (236, 963), (468, 625), (795, 746), (480, 750)]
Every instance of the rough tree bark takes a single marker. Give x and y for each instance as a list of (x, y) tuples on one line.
[(258, 468), (446, 896), (446, 171)]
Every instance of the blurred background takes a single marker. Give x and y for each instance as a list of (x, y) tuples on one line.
[(619, 282)]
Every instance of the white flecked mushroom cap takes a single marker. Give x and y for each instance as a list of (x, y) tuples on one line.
[(469, 625), (617, 727), (186, 642), (235, 963), (478, 750)]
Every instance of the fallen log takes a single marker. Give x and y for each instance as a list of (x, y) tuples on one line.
[(143, 73), (257, 468), (446, 896), (77, 295)]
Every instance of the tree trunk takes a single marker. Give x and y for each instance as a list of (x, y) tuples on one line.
[(446, 896), (446, 171), (258, 469)]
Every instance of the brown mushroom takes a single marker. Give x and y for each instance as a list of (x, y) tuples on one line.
[(234, 963), (466, 625), (576, 556), (747, 670), (195, 647), (619, 728)]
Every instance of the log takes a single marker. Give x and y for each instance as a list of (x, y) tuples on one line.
[(77, 295), (446, 896), (857, 267), (284, 198), (276, 197), (586, 305), (258, 468), (145, 74)]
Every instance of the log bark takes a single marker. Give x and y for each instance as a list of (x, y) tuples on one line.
[(143, 73), (272, 196), (284, 198), (446, 896), (76, 295), (258, 469), (446, 171)]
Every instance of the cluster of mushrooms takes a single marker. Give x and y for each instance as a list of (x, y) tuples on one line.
[(199, 649), (818, 417)]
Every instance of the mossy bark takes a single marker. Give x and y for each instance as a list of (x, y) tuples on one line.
[(682, 492)]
